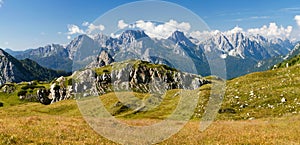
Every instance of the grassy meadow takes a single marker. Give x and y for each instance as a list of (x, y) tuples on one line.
[(253, 111)]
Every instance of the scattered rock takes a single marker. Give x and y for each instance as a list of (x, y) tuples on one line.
[(43, 96), (227, 110), (283, 100)]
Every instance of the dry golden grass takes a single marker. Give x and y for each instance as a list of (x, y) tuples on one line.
[(268, 131), (43, 128)]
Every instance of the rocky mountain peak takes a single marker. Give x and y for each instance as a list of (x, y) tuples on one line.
[(179, 37), (131, 35), (2, 52), (104, 58)]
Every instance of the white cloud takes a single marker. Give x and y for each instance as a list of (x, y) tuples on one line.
[(74, 29), (236, 29), (162, 30), (203, 35), (122, 24), (69, 37), (93, 27), (85, 23), (272, 31), (59, 33), (1, 3), (297, 19)]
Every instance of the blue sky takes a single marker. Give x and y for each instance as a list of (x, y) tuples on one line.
[(32, 23)]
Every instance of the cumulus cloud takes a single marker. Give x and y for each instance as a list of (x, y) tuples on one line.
[(164, 30), (204, 34), (93, 27), (269, 31), (272, 31), (122, 24), (236, 29), (297, 19), (74, 29)]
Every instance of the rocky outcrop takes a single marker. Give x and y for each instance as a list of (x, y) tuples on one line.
[(43, 96), (137, 76), (103, 59), (58, 91), (7, 88)]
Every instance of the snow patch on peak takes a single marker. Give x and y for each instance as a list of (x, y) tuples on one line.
[(223, 56)]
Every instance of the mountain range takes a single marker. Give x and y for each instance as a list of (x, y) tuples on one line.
[(241, 52)]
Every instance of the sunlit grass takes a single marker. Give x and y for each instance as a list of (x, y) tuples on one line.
[(252, 113)]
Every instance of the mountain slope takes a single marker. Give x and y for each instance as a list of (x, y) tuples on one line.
[(39, 72), (293, 58), (288, 63), (13, 70), (263, 94), (295, 51)]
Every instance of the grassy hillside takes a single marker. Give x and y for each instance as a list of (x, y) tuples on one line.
[(290, 62), (253, 112), (262, 94), (272, 93)]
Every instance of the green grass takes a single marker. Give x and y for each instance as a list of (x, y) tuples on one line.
[(12, 99), (259, 94), (290, 62)]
